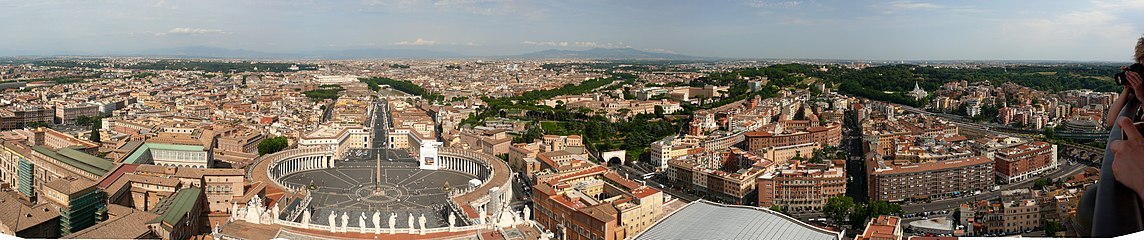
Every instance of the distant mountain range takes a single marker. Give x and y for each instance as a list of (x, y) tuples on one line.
[(607, 53), (377, 53)]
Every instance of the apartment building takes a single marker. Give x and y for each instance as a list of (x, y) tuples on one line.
[(1025, 161), (80, 203), (488, 140), (801, 188), (240, 141), (786, 153), (595, 203), (931, 180), (671, 147), (728, 175), (55, 140), (829, 134), (67, 113), (13, 117), (552, 153), (338, 138)]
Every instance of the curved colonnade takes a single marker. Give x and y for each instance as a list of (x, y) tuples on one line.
[(482, 204)]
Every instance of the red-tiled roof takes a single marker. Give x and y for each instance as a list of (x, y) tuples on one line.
[(110, 178)]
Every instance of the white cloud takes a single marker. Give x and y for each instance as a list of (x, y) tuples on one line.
[(478, 7), (191, 31), (773, 4), (418, 42), (1104, 24), (911, 5), (165, 5), (1123, 4)]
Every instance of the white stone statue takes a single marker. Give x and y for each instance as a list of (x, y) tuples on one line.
[(252, 214), (214, 231), (392, 223), (506, 218), (361, 223), (452, 220), (345, 221), (527, 213), (233, 211), (376, 222), (266, 218), (333, 222), (411, 223), (421, 221), (306, 218), (483, 215), (274, 213)]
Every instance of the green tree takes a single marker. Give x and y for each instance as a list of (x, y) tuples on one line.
[(873, 209), (779, 209), (1050, 133), (658, 111), (83, 121), (1051, 228), (38, 124), (1041, 183), (883, 208), (534, 132), (272, 145), (956, 215), (94, 134), (838, 208), (325, 92)]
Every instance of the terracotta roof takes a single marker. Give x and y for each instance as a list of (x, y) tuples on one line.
[(130, 225), (70, 186), (631, 185), (881, 228), (18, 214), (603, 212)]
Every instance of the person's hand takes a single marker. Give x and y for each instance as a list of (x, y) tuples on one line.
[(1137, 85), (1128, 153)]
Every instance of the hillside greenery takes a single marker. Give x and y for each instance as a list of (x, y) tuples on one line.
[(324, 92)]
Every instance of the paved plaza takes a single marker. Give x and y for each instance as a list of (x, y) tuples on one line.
[(351, 188)]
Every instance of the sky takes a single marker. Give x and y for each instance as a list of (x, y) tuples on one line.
[(1079, 30)]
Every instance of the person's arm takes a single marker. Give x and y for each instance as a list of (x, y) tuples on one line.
[(1114, 110), (1129, 154)]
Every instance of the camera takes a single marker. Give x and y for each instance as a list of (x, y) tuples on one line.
[(1122, 77)]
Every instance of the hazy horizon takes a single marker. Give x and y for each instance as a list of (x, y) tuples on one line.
[(860, 30)]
